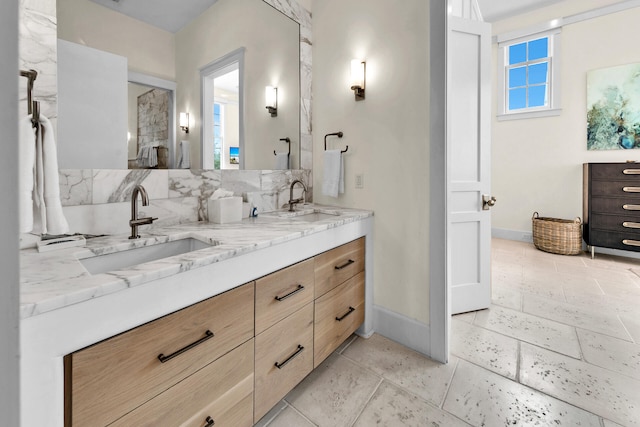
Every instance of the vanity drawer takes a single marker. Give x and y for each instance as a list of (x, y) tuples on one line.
[(337, 265), (221, 391), (338, 314), (608, 239), (622, 224), (626, 189), (289, 343), (281, 293), (615, 170), (117, 375), (626, 206)]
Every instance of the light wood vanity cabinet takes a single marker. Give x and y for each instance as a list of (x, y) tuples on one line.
[(266, 337)]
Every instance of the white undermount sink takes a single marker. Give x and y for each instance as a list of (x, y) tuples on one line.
[(130, 257), (315, 216), (307, 213)]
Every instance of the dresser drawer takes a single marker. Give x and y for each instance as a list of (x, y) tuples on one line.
[(620, 206), (220, 393), (337, 265), (609, 239), (625, 189), (338, 314), (622, 224), (615, 170), (117, 375), (281, 293), (289, 344)]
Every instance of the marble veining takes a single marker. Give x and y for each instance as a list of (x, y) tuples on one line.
[(52, 280)]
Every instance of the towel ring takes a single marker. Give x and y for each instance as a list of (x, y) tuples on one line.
[(288, 141), (339, 135)]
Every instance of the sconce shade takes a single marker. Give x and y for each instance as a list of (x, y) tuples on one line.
[(184, 122), (271, 100), (358, 78)]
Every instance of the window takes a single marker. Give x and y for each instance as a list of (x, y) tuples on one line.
[(217, 134), (529, 82)]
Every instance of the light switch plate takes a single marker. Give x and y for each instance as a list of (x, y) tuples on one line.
[(359, 180)]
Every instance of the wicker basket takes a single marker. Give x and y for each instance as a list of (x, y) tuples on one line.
[(558, 236)]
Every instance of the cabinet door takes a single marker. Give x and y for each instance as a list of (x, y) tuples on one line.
[(281, 293), (284, 356), (220, 393), (114, 377), (337, 265), (338, 314)]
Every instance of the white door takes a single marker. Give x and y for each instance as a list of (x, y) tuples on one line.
[(469, 164)]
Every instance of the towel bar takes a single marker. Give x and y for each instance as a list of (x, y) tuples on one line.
[(339, 135)]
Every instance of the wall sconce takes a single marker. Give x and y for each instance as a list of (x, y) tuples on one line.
[(358, 78), (271, 100), (184, 122)]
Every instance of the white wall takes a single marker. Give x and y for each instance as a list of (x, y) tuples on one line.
[(387, 134), (537, 163), (9, 264)]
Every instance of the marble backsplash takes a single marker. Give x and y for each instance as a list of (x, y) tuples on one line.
[(98, 201)]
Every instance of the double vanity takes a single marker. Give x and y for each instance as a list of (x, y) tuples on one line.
[(193, 324)]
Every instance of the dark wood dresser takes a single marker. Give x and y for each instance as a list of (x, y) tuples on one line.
[(611, 205)]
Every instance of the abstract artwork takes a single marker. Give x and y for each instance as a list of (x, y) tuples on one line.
[(613, 108)]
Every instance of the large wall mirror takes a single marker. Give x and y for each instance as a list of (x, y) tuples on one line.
[(245, 136)]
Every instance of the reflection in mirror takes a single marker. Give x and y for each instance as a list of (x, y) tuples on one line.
[(148, 127), (272, 43)]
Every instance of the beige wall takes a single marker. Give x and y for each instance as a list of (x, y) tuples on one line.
[(149, 50), (537, 163), (267, 37), (387, 133)]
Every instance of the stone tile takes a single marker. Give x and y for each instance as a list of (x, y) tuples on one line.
[(608, 394), (605, 304), (272, 414), (289, 417), (406, 368), (393, 406), (608, 423), (570, 314), (484, 398), (620, 275), (506, 297), (465, 317), (485, 348), (334, 393), (632, 324), (610, 353), (535, 330)]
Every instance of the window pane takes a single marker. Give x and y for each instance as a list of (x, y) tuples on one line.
[(538, 96), (517, 77), (538, 73), (517, 98), (517, 53), (538, 48)]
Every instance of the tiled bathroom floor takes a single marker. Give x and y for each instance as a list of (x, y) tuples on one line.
[(560, 346)]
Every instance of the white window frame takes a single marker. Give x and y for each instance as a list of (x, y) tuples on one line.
[(553, 106)]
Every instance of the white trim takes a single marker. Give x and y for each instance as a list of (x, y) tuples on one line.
[(530, 114), (401, 329)]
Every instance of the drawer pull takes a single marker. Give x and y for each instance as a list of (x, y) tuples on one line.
[(631, 207), (298, 351), (341, 318), (207, 335), (298, 289), (631, 242), (631, 224), (631, 189), (209, 421), (631, 171), (346, 264)]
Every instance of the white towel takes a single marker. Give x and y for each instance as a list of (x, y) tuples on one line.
[(148, 155), (27, 163), (52, 219), (184, 159), (333, 177), (282, 161)]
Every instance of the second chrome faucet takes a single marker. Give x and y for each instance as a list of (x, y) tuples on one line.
[(134, 222)]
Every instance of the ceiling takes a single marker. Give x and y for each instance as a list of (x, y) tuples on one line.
[(170, 15), (495, 10)]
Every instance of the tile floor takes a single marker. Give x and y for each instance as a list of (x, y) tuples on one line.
[(560, 346)]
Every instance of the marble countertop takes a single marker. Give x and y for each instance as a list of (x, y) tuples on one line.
[(56, 279)]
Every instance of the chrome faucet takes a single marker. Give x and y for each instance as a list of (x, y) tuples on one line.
[(292, 201), (134, 222)]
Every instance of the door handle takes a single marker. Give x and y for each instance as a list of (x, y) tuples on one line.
[(487, 202)]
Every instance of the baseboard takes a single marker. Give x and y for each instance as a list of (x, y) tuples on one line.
[(401, 329)]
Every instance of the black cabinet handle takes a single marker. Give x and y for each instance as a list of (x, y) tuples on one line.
[(281, 365), (341, 318), (346, 264), (209, 421), (298, 289), (207, 335)]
